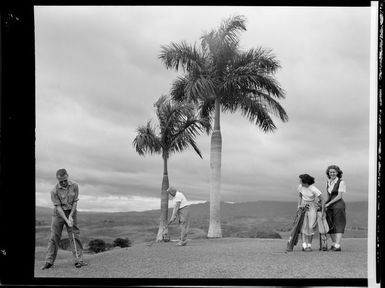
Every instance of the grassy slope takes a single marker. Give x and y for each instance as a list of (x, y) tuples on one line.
[(237, 219)]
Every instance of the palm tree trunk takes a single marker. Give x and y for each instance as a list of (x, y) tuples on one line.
[(163, 205), (215, 176)]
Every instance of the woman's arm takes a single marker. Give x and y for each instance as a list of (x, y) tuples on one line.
[(299, 200), (322, 205), (338, 197)]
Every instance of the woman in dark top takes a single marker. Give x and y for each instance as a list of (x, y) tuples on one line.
[(335, 205)]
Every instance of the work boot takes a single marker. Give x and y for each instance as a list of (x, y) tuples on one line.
[(181, 243), (47, 265), (80, 264)]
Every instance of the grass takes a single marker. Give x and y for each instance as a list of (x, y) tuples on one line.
[(215, 258)]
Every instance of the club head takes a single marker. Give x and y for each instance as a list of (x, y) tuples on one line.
[(150, 244)]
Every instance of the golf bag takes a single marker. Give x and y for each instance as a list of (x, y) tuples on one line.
[(297, 226), (323, 228)]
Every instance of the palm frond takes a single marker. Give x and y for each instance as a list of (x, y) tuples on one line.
[(175, 55), (260, 59), (206, 110), (258, 114), (227, 35), (178, 87), (248, 77), (256, 106), (230, 28), (199, 88), (146, 140), (185, 136)]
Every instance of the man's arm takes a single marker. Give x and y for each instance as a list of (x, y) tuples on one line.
[(63, 215), (75, 203), (176, 208), (56, 202), (72, 212)]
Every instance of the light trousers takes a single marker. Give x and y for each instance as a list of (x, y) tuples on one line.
[(57, 226), (184, 222)]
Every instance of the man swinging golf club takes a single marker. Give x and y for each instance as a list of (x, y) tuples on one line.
[(181, 209), (64, 196)]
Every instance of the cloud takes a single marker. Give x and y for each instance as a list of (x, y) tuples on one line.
[(98, 76)]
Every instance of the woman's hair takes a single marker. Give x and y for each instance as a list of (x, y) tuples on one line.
[(306, 179), (335, 167)]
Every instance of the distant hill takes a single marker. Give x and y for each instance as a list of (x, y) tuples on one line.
[(246, 219)]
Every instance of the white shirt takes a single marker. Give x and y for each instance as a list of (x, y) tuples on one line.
[(309, 193), (179, 197), (341, 188)]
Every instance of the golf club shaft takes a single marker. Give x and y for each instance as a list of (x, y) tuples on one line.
[(161, 232), (76, 250)]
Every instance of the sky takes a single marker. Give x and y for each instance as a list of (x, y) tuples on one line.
[(98, 75)]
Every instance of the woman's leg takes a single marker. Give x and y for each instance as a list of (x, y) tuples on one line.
[(338, 238), (333, 237), (340, 217), (312, 224), (304, 241)]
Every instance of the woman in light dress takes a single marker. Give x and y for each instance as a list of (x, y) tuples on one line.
[(309, 197)]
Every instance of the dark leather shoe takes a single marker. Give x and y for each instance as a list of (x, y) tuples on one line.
[(336, 249), (46, 266), (80, 264)]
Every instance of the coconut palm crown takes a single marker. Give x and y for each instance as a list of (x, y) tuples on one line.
[(218, 75), (178, 127)]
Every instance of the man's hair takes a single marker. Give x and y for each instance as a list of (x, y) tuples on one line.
[(307, 179), (61, 173), (171, 188)]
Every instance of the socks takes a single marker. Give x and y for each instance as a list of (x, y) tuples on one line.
[(337, 245), (305, 245)]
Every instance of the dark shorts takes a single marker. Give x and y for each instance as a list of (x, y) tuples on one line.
[(338, 219)]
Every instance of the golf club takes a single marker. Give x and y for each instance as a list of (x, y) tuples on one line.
[(76, 250), (161, 232)]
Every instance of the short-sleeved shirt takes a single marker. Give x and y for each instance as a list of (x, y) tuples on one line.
[(65, 197), (309, 193), (179, 197), (341, 188)]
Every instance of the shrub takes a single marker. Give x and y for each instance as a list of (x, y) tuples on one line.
[(122, 242), (97, 246)]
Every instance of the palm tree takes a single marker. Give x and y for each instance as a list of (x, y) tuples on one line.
[(179, 124), (219, 76)]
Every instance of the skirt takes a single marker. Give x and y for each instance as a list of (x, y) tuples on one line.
[(310, 219), (338, 218)]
